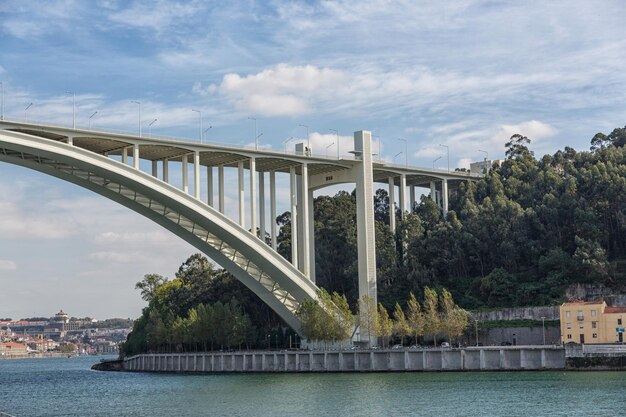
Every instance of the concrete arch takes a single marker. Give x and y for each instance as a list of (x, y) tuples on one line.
[(278, 283)]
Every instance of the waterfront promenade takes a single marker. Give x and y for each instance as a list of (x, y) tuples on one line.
[(505, 358)]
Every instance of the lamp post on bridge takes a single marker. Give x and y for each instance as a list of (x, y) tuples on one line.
[(139, 104), (91, 117), (286, 141), (396, 155), (206, 130), (448, 151), (26, 111), (336, 140), (308, 141), (435, 160), (486, 154), (256, 135), (406, 152), (73, 108), (329, 147), (150, 127), (200, 119)]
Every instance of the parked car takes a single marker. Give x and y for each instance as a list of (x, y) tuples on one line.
[(397, 347), (445, 344)]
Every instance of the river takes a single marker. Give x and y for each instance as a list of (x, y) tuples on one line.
[(67, 387)]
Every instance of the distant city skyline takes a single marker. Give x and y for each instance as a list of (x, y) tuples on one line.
[(466, 74)]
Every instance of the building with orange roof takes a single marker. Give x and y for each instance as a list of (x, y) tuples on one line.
[(592, 322)]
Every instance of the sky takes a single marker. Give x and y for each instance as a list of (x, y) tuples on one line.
[(467, 74)]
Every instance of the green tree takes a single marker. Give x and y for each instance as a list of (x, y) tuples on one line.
[(432, 322), (415, 316), (385, 324)]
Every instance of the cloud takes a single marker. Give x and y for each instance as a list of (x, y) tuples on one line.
[(157, 16), (283, 90), (155, 237), (19, 221), (7, 265)]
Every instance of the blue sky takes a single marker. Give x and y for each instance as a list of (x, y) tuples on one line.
[(467, 74)]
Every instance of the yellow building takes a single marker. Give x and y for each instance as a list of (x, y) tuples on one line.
[(592, 322)]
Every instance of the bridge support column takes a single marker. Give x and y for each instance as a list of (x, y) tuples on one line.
[(433, 192), (392, 205), (412, 198), (403, 208), (155, 169), (125, 155), (273, 209), (196, 174), (185, 174), (366, 237), (166, 171), (303, 211), (262, 205), (220, 187), (294, 216), (241, 193), (444, 194), (253, 196), (70, 140), (311, 222), (136, 156), (209, 184)]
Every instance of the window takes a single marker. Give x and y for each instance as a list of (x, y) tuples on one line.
[(581, 325), (595, 335), (567, 314), (594, 324), (569, 325), (593, 313), (569, 336)]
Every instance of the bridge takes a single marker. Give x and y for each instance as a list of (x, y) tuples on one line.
[(114, 166)]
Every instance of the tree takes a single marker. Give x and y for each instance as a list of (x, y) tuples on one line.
[(454, 320), (401, 327), (432, 323), (368, 317), (385, 324), (149, 285), (415, 317)]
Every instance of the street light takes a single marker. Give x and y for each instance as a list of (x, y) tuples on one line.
[(329, 147), (448, 149), (73, 108), (486, 154), (406, 152), (26, 112), (139, 104), (206, 130), (308, 142), (200, 118), (396, 155), (543, 328), (150, 127), (90, 117), (337, 141), (256, 135), (435, 160), (286, 141)]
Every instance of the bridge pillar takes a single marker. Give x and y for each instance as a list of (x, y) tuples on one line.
[(196, 174), (185, 174), (166, 171), (241, 194), (392, 205), (220, 187), (155, 169), (209, 183), (412, 198), (403, 208), (136, 156), (294, 216), (444, 193), (273, 209), (253, 196), (311, 222), (125, 155), (262, 205), (303, 216), (366, 237), (433, 192), (70, 140)]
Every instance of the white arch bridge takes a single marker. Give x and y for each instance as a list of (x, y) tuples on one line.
[(84, 157)]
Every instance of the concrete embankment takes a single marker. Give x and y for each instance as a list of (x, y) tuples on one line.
[(467, 359)]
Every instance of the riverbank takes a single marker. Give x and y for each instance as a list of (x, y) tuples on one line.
[(500, 358), (38, 356)]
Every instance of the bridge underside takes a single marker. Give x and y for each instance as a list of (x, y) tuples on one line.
[(261, 269)]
